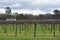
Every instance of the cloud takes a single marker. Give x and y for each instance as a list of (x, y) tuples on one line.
[(37, 2), (27, 11), (41, 5), (45, 2)]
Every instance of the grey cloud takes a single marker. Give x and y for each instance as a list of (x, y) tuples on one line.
[(24, 4)]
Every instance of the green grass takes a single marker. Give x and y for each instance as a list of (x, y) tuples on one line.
[(42, 32), (29, 39)]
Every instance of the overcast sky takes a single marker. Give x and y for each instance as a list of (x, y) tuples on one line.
[(35, 6)]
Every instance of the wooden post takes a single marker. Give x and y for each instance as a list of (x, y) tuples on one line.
[(25, 30), (44, 29), (4, 28), (16, 30), (12, 27), (20, 28), (34, 30), (51, 28), (54, 30), (59, 27)]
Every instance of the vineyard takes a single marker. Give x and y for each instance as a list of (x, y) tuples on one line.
[(47, 29)]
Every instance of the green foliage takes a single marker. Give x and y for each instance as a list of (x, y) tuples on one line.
[(42, 32)]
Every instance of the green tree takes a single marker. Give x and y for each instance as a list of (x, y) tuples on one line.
[(15, 15), (8, 12), (57, 12)]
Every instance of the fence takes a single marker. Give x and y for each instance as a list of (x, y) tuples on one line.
[(52, 22)]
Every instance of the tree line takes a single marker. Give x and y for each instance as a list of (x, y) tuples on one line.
[(56, 15)]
